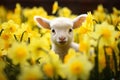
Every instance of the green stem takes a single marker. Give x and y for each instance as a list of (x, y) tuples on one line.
[(111, 21), (118, 70), (107, 70), (28, 40), (115, 63), (1, 31), (15, 37), (22, 36), (106, 55), (119, 52), (77, 39), (96, 59), (116, 26), (96, 21)]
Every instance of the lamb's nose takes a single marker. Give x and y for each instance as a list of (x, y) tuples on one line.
[(62, 38)]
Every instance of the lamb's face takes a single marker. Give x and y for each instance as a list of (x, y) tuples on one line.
[(61, 31)]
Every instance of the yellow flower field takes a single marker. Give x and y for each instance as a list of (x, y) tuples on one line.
[(25, 49)]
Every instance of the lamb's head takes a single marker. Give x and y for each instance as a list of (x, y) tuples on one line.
[(61, 28), (61, 31)]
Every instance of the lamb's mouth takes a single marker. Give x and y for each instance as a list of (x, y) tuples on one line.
[(62, 42)]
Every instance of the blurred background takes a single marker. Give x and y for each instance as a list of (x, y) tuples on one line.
[(77, 6)]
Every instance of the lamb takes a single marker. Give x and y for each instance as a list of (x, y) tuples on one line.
[(61, 32)]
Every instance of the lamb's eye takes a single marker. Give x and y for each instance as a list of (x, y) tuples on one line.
[(70, 30), (53, 31)]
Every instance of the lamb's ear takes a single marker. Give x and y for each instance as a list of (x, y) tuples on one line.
[(42, 22), (77, 22)]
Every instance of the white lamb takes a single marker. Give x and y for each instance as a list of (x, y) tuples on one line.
[(61, 32)]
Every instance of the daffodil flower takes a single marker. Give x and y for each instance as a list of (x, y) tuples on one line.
[(55, 7)]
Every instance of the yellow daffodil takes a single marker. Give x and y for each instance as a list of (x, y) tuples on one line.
[(6, 40), (29, 33), (71, 53), (105, 29), (38, 50), (64, 12), (78, 67), (48, 70), (10, 26), (6, 44), (116, 11), (16, 15), (99, 14), (3, 13), (55, 7), (100, 8), (6, 36), (18, 9), (84, 45), (113, 19), (19, 53), (86, 29), (29, 14), (52, 65), (88, 24)]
